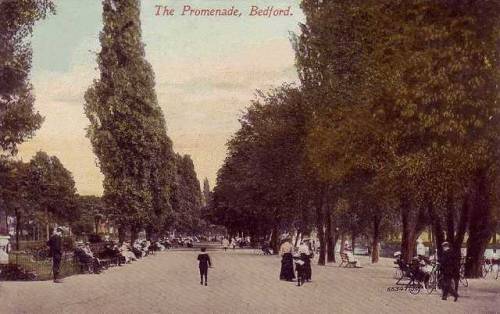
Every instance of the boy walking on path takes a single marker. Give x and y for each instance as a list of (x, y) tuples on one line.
[(204, 263)]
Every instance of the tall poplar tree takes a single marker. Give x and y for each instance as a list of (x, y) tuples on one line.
[(186, 196), (206, 192), (127, 128)]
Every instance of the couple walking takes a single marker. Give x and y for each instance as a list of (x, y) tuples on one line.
[(303, 256)]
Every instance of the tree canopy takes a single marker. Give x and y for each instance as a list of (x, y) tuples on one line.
[(18, 118), (127, 128)]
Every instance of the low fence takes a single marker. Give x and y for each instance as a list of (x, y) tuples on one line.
[(42, 268), (30, 245)]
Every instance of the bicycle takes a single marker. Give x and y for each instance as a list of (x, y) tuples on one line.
[(435, 278), (462, 279), (414, 285), (418, 278), (487, 267)]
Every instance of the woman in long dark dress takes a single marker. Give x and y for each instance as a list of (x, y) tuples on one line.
[(286, 272)]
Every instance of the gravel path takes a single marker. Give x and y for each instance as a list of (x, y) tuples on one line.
[(240, 282)]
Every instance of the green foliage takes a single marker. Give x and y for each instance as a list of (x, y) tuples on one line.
[(398, 125), (405, 105), (261, 183), (38, 192), (186, 197), (15, 189), (52, 187), (91, 211), (18, 120), (127, 128)]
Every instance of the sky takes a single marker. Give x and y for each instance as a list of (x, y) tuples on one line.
[(206, 68)]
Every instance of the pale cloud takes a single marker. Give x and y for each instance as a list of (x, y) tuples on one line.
[(201, 99)]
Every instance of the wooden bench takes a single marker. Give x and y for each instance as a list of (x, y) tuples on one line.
[(106, 258), (346, 262)]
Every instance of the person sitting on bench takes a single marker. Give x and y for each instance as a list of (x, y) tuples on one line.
[(85, 256), (352, 259), (126, 252), (112, 252)]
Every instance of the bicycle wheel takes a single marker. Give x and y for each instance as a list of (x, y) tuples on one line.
[(432, 284), (464, 281), (397, 273), (414, 287), (485, 271)]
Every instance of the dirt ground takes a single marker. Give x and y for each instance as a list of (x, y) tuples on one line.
[(242, 281)]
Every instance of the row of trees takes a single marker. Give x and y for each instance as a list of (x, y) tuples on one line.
[(18, 118), (146, 185), (395, 127), (37, 193)]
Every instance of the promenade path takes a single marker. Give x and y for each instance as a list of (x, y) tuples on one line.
[(240, 282)]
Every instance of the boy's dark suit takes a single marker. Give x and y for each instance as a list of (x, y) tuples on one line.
[(204, 263)]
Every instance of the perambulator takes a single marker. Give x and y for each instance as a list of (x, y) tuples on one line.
[(266, 249), (300, 269)]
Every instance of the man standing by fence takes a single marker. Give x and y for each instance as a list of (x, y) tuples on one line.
[(55, 246)]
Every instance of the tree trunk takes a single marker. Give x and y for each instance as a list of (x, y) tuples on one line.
[(342, 241), (353, 240), (96, 225), (18, 227), (375, 240), (437, 228), (274, 240), (47, 223), (297, 238), (450, 221), (322, 244), (410, 218), (133, 235), (475, 254), (321, 233), (150, 234), (335, 240), (480, 226), (121, 234), (330, 246)]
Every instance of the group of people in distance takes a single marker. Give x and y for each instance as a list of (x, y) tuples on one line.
[(235, 242), (118, 253), (300, 256), (85, 255)]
